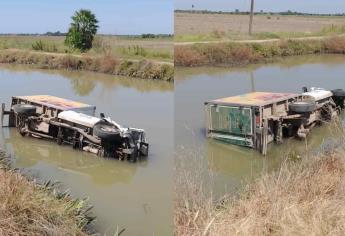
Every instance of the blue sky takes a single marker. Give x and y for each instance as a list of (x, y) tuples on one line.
[(312, 6), (115, 16)]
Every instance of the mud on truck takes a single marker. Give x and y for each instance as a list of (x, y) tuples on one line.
[(74, 123)]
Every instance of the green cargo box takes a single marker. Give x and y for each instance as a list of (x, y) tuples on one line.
[(240, 120)]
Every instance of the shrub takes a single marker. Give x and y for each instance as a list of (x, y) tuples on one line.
[(44, 46), (335, 45), (186, 56), (108, 64), (99, 45), (148, 36)]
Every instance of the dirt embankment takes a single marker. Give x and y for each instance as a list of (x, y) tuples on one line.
[(31, 209), (247, 52), (143, 69)]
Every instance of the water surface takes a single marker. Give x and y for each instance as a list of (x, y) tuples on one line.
[(232, 165)]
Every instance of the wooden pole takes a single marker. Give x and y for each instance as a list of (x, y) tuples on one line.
[(251, 17)]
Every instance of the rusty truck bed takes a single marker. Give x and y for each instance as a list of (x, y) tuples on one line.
[(54, 102), (254, 99)]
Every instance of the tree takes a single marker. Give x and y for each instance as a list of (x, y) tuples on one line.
[(82, 30)]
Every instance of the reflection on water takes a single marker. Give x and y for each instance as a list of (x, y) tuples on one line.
[(30, 151), (83, 83), (231, 165), (137, 197)]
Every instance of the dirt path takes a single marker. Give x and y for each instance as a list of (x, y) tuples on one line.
[(253, 40)]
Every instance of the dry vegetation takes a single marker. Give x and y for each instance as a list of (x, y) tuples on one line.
[(304, 197), (29, 209), (125, 56), (217, 26), (105, 63), (245, 53), (156, 49)]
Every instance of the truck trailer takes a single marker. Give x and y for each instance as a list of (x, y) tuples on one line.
[(256, 119)]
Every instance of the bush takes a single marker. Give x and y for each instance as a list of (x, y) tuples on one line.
[(44, 46), (99, 45), (148, 36), (335, 45), (186, 56)]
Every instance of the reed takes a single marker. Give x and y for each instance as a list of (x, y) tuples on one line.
[(236, 53), (305, 196), (28, 208)]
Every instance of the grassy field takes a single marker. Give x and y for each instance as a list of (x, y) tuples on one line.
[(305, 196), (30, 209), (227, 26), (160, 49), (115, 55)]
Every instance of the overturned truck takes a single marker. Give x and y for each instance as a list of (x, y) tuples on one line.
[(258, 118), (74, 123)]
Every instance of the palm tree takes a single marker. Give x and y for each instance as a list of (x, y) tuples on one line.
[(82, 30)]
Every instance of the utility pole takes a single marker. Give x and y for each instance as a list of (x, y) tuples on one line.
[(251, 17)]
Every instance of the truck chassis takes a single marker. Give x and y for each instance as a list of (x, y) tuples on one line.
[(73, 123)]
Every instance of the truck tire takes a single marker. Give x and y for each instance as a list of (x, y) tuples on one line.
[(24, 109), (302, 107), (106, 131), (338, 93)]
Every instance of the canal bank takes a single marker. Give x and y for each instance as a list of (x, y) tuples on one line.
[(107, 64), (32, 209), (238, 53), (304, 196), (131, 196)]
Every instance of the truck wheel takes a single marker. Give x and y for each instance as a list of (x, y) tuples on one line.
[(302, 107), (144, 149), (24, 109), (338, 93), (106, 131)]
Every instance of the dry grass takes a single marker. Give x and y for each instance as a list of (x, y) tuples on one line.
[(29, 209), (106, 63), (193, 197), (215, 26), (155, 49), (304, 197), (235, 54)]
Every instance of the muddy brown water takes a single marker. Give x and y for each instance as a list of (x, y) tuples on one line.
[(230, 166), (132, 196)]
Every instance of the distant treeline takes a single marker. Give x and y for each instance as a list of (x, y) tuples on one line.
[(238, 12), (58, 33)]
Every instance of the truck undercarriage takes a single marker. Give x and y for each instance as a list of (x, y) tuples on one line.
[(72, 123)]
